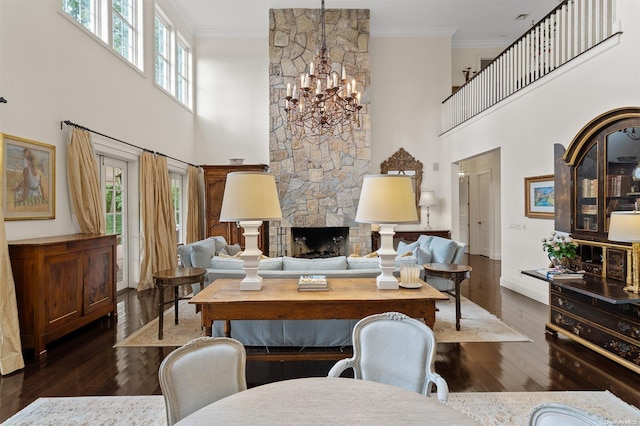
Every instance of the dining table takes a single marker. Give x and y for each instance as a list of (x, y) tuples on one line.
[(325, 401)]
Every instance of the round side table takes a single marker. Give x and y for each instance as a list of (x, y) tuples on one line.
[(454, 272), (175, 278)]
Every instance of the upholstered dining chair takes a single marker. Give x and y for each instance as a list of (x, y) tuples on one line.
[(397, 350), (553, 414), (202, 371)]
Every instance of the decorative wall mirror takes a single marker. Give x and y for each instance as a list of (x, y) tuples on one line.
[(403, 163)]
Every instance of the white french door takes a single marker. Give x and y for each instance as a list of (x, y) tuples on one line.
[(113, 180)]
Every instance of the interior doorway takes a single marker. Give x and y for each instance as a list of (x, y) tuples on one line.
[(479, 204)]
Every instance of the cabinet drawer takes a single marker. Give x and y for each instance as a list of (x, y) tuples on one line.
[(617, 323), (626, 349)]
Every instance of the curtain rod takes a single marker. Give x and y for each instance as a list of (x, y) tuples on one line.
[(70, 123)]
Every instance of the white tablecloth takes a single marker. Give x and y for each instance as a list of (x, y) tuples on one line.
[(327, 401)]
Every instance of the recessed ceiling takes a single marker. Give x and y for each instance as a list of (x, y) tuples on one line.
[(471, 23)]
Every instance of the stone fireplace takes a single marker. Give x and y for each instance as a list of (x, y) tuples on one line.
[(318, 177), (320, 242)]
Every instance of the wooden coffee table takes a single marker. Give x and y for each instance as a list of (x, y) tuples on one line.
[(347, 298)]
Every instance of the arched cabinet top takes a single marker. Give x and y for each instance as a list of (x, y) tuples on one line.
[(593, 127)]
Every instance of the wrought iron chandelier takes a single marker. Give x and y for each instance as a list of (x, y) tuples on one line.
[(325, 103)]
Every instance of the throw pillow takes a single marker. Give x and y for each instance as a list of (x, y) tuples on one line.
[(201, 256), (404, 247), (231, 250), (423, 255), (442, 250), (372, 254), (185, 250)]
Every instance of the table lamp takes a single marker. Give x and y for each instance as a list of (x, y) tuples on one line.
[(249, 198), (387, 200), (428, 199), (625, 227)]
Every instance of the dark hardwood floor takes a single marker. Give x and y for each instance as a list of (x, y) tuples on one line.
[(85, 363)]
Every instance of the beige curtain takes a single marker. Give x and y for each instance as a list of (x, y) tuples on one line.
[(158, 221), (10, 345), (195, 227), (84, 184)]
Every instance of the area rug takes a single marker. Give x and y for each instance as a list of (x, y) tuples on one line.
[(476, 325), (487, 408)]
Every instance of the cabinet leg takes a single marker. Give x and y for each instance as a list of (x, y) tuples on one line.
[(550, 331)]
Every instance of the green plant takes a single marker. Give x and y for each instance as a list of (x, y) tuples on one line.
[(559, 246)]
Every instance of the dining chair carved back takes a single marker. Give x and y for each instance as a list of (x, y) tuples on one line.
[(394, 349), (202, 371)]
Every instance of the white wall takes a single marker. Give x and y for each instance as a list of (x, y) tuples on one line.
[(526, 126), (233, 100), (51, 70), (462, 58)]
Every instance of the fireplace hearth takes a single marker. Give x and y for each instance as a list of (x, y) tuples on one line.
[(322, 242)]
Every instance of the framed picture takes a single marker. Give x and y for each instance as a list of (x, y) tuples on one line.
[(29, 179), (539, 197)]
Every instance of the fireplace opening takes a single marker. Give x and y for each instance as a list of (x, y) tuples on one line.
[(320, 242)]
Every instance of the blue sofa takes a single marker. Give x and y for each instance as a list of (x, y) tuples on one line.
[(214, 254)]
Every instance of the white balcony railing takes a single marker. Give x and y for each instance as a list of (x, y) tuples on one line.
[(571, 29)]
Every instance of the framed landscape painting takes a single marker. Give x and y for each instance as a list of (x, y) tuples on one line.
[(539, 197), (28, 178)]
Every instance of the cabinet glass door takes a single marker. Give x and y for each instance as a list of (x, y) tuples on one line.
[(586, 213), (622, 190)]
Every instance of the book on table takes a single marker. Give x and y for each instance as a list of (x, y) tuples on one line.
[(313, 283), (554, 274)]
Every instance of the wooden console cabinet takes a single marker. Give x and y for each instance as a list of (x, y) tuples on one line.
[(597, 313), (62, 283), (215, 178), (408, 236)]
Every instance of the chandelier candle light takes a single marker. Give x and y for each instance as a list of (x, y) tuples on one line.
[(387, 200), (326, 102), (249, 198)]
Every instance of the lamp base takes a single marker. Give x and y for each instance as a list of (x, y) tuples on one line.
[(387, 254), (633, 289), (251, 256), (251, 283)]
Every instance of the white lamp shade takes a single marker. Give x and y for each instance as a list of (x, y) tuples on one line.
[(387, 199), (250, 196), (428, 198), (625, 226)]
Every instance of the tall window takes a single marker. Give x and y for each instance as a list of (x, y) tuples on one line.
[(117, 23), (163, 53), (83, 11), (173, 60), (183, 72), (176, 197), (124, 34)]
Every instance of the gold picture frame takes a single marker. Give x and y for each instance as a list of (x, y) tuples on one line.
[(539, 197), (28, 179)]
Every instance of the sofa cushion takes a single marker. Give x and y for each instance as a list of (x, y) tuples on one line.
[(201, 255), (270, 264), (404, 247), (329, 263), (363, 262), (231, 263), (442, 250)]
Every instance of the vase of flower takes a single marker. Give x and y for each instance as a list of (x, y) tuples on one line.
[(560, 249)]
